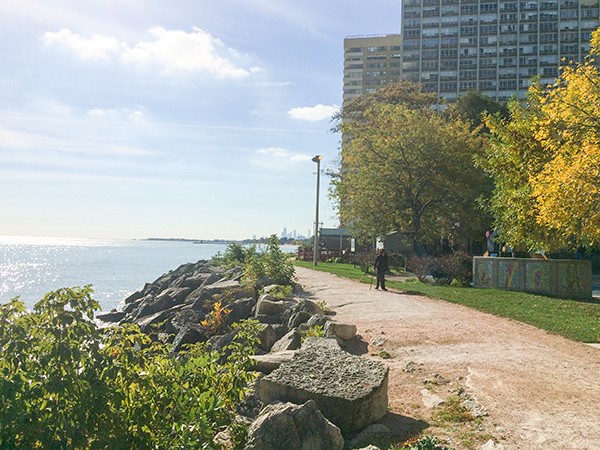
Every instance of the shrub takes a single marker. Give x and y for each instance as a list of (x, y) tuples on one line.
[(396, 261), (281, 292), (215, 321), (456, 267), (235, 255), (314, 331), (269, 267), (65, 383), (421, 266)]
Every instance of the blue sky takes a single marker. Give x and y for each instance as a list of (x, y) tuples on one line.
[(187, 118)]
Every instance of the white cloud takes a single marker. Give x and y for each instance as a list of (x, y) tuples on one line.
[(172, 51), (97, 47), (136, 115), (277, 158), (314, 113)]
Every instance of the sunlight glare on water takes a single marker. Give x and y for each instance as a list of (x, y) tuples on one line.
[(32, 266)]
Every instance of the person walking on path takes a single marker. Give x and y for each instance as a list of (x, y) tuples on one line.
[(381, 267)]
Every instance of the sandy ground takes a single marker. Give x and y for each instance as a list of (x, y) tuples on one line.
[(539, 391)]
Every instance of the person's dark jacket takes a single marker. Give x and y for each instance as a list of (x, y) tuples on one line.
[(381, 263)]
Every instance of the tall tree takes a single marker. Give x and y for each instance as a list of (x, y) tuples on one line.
[(473, 107), (404, 92), (545, 162), (405, 168)]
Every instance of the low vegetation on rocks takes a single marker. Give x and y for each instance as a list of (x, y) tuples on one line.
[(67, 383)]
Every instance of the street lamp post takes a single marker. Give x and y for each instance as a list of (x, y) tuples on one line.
[(317, 159)]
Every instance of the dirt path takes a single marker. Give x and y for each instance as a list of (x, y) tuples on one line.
[(540, 391)]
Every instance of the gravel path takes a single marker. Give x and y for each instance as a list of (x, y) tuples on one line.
[(539, 390)]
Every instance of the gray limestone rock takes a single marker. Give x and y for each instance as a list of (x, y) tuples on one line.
[(350, 391), (285, 426), (302, 305), (112, 316), (272, 319), (161, 316), (343, 331), (151, 305), (320, 343), (240, 309), (218, 343), (268, 307), (271, 361), (376, 432), (190, 334), (267, 336), (298, 318), (318, 320), (291, 341)]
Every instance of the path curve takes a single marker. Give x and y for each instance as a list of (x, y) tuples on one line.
[(541, 391)]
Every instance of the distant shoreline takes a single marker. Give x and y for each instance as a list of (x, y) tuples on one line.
[(218, 241), (194, 241)]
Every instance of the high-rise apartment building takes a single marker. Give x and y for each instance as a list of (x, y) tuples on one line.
[(495, 47), (370, 62)]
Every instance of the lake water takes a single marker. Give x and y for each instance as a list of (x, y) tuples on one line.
[(31, 267)]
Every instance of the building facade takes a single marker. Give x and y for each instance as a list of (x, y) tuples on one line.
[(495, 47), (370, 62)]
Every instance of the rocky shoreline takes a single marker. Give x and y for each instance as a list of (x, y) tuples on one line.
[(311, 393)]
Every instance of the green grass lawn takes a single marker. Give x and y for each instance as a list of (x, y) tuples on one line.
[(574, 319)]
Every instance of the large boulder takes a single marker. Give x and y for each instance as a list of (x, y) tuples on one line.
[(209, 288), (285, 426), (291, 341), (303, 305), (146, 322), (240, 309), (112, 316), (151, 305), (318, 320), (190, 334), (268, 305), (271, 361), (267, 336), (298, 319), (350, 391), (344, 331)]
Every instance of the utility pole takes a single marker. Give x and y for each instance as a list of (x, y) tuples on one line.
[(317, 159)]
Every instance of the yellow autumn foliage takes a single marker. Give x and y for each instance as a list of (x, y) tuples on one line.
[(545, 162)]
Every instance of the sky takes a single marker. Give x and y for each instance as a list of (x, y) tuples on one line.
[(188, 118)]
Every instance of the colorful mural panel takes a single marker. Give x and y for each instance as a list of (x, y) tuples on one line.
[(538, 277), (572, 279), (484, 272), (509, 274)]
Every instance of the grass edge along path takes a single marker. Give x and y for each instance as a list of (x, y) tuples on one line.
[(573, 319)]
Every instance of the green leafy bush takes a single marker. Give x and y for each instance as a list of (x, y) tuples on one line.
[(281, 292), (65, 383), (269, 267), (235, 254), (314, 331), (421, 266), (455, 267)]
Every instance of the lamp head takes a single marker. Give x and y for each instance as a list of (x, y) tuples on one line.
[(317, 158)]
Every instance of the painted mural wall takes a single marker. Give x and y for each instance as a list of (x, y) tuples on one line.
[(556, 277)]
